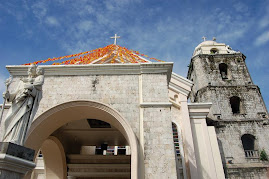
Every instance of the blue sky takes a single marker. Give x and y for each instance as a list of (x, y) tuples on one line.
[(167, 30)]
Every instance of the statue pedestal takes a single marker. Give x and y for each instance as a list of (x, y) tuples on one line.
[(15, 160)]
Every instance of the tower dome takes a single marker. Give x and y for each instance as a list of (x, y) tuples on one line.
[(212, 47)]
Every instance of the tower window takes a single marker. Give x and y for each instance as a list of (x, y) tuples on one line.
[(248, 142), (235, 104), (223, 70), (214, 51)]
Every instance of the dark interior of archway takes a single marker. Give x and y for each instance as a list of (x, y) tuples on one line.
[(78, 135), (235, 104), (88, 132), (248, 141)]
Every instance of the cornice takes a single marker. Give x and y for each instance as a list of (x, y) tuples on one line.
[(97, 69), (199, 110), (178, 89), (155, 104), (238, 54), (182, 79)]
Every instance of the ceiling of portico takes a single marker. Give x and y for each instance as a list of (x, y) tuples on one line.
[(79, 133)]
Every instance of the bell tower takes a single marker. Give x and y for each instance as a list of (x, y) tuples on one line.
[(238, 112)]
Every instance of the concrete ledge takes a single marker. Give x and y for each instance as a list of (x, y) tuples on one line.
[(16, 151), (15, 164), (199, 110), (155, 105), (248, 165), (97, 69)]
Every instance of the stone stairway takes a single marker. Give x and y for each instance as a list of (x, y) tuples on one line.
[(99, 166)]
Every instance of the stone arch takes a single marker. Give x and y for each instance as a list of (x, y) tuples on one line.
[(54, 158), (45, 124)]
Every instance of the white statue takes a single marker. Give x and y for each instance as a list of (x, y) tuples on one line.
[(25, 100), (230, 50)]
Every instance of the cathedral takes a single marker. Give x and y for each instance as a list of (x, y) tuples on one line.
[(117, 113)]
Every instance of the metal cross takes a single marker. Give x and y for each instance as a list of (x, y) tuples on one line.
[(204, 38), (115, 39)]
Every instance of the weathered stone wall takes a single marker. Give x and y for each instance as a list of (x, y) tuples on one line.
[(123, 93), (248, 173), (209, 86), (205, 70), (120, 92), (159, 147), (154, 88), (251, 107), (230, 144)]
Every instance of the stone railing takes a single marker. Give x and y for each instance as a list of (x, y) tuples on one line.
[(253, 154)]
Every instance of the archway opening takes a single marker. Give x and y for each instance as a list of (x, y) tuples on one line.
[(248, 141), (69, 123), (235, 104), (223, 70)]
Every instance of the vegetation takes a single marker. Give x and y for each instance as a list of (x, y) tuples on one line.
[(263, 155)]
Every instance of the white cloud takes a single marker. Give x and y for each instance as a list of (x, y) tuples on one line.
[(264, 22), (241, 7), (39, 9), (85, 25), (262, 39), (52, 21)]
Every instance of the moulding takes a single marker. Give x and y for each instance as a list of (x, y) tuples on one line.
[(155, 104), (96, 69), (182, 79), (178, 89), (199, 110)]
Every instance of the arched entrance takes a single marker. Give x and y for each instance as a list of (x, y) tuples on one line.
[(54, 118)]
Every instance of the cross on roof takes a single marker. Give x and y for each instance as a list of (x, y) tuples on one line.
[(115, 39), (204, 38)]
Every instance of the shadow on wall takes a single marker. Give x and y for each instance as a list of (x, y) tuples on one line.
[(222, 157)]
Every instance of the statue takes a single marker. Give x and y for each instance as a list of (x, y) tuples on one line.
[(25, 100), (230, 50)]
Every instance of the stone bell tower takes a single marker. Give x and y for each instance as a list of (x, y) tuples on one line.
[(238, 112)]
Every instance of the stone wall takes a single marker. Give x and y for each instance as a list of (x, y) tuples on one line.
[(252, 105), (123, 93), (204, 70), (248, 173), (209, 86), (229, 138), (159, 147)]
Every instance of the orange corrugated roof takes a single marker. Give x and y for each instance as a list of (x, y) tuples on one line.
[(109, 54)]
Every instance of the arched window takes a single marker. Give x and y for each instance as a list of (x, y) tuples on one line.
[(214, 51), (248, 142), (223, 70), (235, 104), (181, 172)]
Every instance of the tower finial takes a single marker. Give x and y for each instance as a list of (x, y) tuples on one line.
[(204, 38), (214, 38)]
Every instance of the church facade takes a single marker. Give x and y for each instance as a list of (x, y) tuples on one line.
[(116, 117)]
